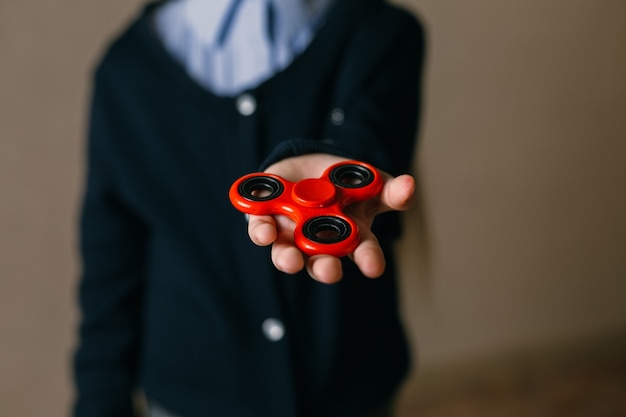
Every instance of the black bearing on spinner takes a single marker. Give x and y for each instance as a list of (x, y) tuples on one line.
[(351, 176), (260, 185), (327, 229)]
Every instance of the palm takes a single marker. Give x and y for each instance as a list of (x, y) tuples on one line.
[(278, 230)]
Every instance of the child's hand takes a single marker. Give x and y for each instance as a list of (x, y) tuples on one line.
[(397, 194)]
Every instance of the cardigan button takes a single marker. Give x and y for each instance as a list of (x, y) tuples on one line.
[(246, 104), (273, 329), (337, 116)]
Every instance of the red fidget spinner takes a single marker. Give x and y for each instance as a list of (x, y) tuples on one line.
[(314, 204)]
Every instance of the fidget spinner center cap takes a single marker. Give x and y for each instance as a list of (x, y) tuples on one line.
[(314, 192)]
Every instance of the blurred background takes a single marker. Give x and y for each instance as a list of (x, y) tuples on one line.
[(514, 258)]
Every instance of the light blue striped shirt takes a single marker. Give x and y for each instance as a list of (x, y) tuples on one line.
[(228, 46)]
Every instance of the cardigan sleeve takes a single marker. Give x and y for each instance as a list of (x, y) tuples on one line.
[(377, 114), (376, 99), (112, 241)]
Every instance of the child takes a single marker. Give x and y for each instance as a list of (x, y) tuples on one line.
[(178, 300)]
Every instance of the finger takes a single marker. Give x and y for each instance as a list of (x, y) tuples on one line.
[(369, 257), (262, 230), (324, 268), (398, 193), (285, 254), (286, 257)]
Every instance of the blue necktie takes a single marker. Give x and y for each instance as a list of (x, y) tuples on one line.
[(232, 13)]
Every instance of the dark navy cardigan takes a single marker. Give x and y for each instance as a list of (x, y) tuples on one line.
[(173, 293)]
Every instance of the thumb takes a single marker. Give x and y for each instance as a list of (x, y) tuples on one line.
[(398, 193)]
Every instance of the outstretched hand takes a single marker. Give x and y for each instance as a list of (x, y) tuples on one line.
[(397, 194)]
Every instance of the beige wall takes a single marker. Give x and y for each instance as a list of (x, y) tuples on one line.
[(520, 234), (523, 172)]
